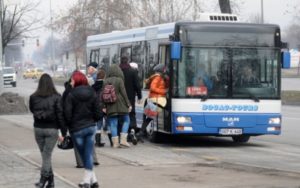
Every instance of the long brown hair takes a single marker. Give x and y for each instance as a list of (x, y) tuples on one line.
[(45, 87)]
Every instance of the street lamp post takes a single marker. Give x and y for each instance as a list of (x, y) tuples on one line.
[(262, 11), (52, 44), (1, 50)]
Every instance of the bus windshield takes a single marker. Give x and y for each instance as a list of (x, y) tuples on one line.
[(227, 73)]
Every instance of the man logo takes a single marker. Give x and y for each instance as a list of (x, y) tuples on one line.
[(230, 120)]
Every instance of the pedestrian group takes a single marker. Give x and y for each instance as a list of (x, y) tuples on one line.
[(105, 100)]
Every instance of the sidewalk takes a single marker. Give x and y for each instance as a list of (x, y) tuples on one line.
[(17, 172), (142, 166)]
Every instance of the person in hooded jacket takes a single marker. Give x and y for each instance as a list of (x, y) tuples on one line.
[(119, 110), (82, 111), (133, 88), (45, 105)]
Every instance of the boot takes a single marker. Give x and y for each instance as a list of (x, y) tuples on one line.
[(50, 181), (123, 141), (95, 185), (110, 139), (98, 140), (42, 182), (140, 136), (115, 141), (84, 185), (133, 139)]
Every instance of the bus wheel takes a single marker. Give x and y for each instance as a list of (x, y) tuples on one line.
[(152, 133), (241, 138)]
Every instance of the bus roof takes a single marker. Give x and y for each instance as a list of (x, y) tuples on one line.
[(131, 35), (160, 31)]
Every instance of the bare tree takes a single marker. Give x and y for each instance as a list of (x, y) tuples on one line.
[(17, 21), (292, 36)]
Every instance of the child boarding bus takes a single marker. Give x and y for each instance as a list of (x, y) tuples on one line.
[(224, 75)]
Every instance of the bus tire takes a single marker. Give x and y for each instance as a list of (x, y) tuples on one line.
[(241, 138), (152, 133)]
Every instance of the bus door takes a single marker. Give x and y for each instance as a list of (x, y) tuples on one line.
[(165, 119)]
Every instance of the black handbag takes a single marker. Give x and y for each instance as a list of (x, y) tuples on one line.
[(67, 143)]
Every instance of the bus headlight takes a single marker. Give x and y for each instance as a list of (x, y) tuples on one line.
[(184, 119), (276, 121)]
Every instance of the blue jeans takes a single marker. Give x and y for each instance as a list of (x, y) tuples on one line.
[(113, 123), (84, 142)]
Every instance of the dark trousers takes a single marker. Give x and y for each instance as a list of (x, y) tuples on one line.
[(46, 140), (78, 158), (132, 115)]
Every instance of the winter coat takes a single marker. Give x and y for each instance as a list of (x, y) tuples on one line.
[(131, 81), (82, 108), (158, 86), (47, 112), (98, 85), (116, 78)]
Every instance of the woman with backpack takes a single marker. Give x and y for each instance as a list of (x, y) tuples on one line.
[(116, 105), (82, 111), (45, 105)]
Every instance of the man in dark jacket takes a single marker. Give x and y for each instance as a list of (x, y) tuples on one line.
[(132, 86)]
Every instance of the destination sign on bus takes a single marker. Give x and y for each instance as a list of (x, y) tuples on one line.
[(228, 107)]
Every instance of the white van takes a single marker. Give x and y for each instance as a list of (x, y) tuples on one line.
[(9, 76)]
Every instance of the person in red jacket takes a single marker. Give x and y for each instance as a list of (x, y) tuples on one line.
[(158, 87)]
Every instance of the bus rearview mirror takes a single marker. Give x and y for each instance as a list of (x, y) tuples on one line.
[(176, 50)]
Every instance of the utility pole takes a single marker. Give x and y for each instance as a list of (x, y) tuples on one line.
[(1, 15), (1, 50), (262, 11), (52, 44)]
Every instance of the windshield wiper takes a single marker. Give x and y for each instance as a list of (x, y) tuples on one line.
[(204, 97), (256, 99)]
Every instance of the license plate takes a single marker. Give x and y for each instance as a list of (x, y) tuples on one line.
[(230, 131)]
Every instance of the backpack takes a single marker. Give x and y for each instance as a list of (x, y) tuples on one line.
[(109, 94)]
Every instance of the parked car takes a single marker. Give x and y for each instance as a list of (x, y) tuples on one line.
[(33, 73), (9, 76)]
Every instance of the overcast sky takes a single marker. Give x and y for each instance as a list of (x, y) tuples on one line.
[(275, 11)]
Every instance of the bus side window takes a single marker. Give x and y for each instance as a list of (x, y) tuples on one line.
[(94, 56), (126, 51)]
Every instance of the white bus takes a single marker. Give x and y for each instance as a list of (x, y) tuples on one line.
[(222, 53)]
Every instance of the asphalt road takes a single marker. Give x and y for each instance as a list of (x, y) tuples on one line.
[(270, 152)]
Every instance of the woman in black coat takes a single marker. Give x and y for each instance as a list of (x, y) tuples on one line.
[(82, 111), (45, 105)]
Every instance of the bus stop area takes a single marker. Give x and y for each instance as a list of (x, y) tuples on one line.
[(145, 165)]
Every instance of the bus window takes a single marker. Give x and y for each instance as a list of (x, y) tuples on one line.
[(152, 57), (94, 56), (114, 52), (104, 58), (126, 51), (137, 57)]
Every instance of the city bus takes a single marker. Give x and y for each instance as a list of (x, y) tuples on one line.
[(208, 63)]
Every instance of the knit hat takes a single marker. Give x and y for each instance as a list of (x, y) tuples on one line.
[(93, 64), (159, 68), (134, 65)]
